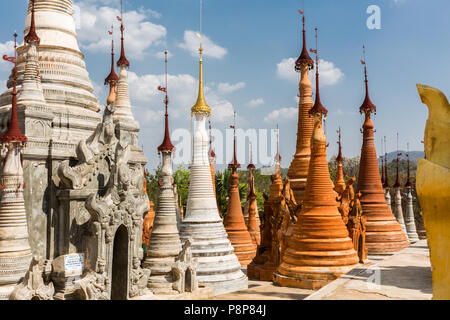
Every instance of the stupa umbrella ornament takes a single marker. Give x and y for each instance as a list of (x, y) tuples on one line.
[(218, 266), (165, 243), (234, 222), (112, 78), (409, 213), (15, 251), (320, 249), (298, 169), (384, 234)]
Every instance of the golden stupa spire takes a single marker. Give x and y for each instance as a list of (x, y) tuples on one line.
[(201, 106)]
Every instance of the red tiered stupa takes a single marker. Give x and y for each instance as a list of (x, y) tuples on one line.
[(384, 234), (320, 249)]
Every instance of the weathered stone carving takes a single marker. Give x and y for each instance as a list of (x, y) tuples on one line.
[(36, 284), (185, 270)]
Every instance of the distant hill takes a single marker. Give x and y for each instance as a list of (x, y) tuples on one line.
[(413, 156)]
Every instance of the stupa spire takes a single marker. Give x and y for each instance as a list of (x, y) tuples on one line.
[(386, 184), (32, 35), (254, 222), (318, 108), (382, 163), (340, 185), (367, 105), (123, 61), (234, 222), (409, 213), (167, 143), (13, 134), (112, 78), (298, 169), (408, 184), (397, 179), (384, 234)]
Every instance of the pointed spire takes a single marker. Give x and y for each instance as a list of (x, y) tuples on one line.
[(112, 78), (13, 134), (251, 166), (367, 104), (382, 162), (167, 145), (386, 184), (234, 165), (408, 184), (304, 56), (318, 107), (123, 60), (32, 35), (201, 106), (339, 158), (397, 180), (278, 155)]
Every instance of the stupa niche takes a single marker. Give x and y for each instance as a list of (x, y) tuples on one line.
[(384, 234), (320, 249), (298, 170)]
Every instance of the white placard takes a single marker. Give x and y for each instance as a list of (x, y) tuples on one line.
[(74, 264)]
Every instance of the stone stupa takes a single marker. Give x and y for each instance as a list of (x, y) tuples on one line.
[(398, 208), (218, 266), (410, 223), (384, 234), (165, 243), (320, 249), (15, 250), (298, 170)]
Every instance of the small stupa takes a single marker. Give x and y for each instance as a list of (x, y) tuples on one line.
[(410, 224), (15, 251), (234, 223), (340, 184), (386, 185), (398, 208), (298, 170), (320, 249), (384, 234), (165, 243), (254, 222)]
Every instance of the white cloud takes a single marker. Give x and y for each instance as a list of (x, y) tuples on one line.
[(255, 102), (95, 20), (282, 115), (225, 87), (6, 48), (192, 43), (329, 73)]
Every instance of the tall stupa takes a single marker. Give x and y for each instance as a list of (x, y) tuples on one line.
[(320, 249), (384, 234), (165, 244), (298, 170), (218, 266), (15, 250)]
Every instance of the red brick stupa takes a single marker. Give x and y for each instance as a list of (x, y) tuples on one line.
[(298, 170), (384, 234), (234, 221), (320, 249)]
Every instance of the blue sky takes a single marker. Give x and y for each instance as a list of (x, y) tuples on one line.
[(247, 68)]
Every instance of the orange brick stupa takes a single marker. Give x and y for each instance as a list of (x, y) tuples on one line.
[(253, 216), (340, 185), (298, 170), (234, 222), (384, 234), (320, 249)]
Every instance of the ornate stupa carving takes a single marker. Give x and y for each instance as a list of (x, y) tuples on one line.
[(218, 266), (398, 208), (410, 223), (298, 170), (128, 126), (234, 223), (254, 222), (15, 250), (320, 249), (384, 234), (165, 243)]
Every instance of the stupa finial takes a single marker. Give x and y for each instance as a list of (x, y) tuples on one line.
[(167, 145), (318, 107), (201, 106), (112, 78), (13, 134), (32, 35), (339, 157), (408, 184), (367, 105), (386, 177), (304, 56), (234, 164), (123, 59), (397, 180)]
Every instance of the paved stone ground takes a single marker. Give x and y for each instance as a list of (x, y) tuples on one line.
[(403, 276)]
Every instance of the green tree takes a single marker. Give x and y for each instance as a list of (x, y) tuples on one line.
[(182, 177)]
